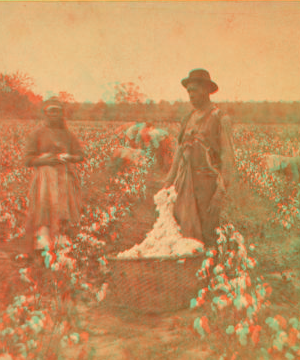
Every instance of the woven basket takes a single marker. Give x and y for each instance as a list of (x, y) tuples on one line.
[(155, 285)]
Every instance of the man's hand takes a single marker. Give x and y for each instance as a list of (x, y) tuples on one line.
[(216, 203), (167, 184)]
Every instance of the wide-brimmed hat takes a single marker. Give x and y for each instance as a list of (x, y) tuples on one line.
[(52, 102), (202, 76)]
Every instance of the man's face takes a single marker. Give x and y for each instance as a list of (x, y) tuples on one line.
[(198, 93)]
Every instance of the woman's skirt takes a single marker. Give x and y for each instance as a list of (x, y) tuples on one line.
[(54, 197)]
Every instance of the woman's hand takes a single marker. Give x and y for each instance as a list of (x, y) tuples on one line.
[(65, 158), (47, 159)]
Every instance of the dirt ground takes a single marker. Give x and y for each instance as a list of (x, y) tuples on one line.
[(119, 334)]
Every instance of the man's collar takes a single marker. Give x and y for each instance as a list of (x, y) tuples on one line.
[(209, 107)]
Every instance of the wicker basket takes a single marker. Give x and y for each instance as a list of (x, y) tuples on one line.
[(155, 285)]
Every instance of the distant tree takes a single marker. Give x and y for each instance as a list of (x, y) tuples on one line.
[(16, 96), (66, 97), (69, 103), (18, 81), (165, 110), (164, 104), (179, 109), (97, 112), (129, 102), (128, 93)]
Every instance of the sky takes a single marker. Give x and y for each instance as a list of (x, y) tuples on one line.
[(251, 49)]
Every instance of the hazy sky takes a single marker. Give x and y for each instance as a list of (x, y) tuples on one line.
[(251, 49)]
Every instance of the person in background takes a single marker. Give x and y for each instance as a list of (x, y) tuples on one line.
[(54, 197), (203, 162)]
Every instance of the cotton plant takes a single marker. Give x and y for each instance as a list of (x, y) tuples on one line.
[(253, 145), (284, 338), (22, 328), (233, 295), (27, 320), (165, 239), (236, 306), (63, 262)]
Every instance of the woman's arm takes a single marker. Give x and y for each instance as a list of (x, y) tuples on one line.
[(76, 154), (45, 160), (33, 156)]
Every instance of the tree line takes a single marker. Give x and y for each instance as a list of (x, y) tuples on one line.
[(18, 101)]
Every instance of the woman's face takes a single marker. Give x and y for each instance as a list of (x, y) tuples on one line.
[(54, 115)]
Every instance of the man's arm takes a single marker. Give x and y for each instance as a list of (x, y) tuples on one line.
[(227, 151), (178, 153), (227, 164), (174, 168)]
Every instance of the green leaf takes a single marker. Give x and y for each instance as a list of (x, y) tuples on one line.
[(198, 328), (47, 261), (278, 344), (265, 354), (289, 356), (197, 323), (193, 303), (230, 330), (273, 323), (243, 339), (250, 312), (294, 322), (35, 319), (92, 354)]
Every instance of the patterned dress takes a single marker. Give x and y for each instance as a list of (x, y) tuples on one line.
[(55, 190), (201, 170)]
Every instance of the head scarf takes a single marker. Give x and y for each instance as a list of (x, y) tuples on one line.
[(53, 102)]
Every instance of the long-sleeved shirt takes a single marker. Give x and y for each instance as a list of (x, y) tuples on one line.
[(51, 140), (207, 139)]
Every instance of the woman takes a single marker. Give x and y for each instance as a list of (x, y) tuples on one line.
[(54, 198)]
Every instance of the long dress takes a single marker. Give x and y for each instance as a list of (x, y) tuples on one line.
[(201, 169), (54, 194)]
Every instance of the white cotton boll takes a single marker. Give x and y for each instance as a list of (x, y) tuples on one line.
[(187, 246), (55, 267), (63, 240), (165, 239), (6, 356)]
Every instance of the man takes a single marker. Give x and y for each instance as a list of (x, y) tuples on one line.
[(203, 161)]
